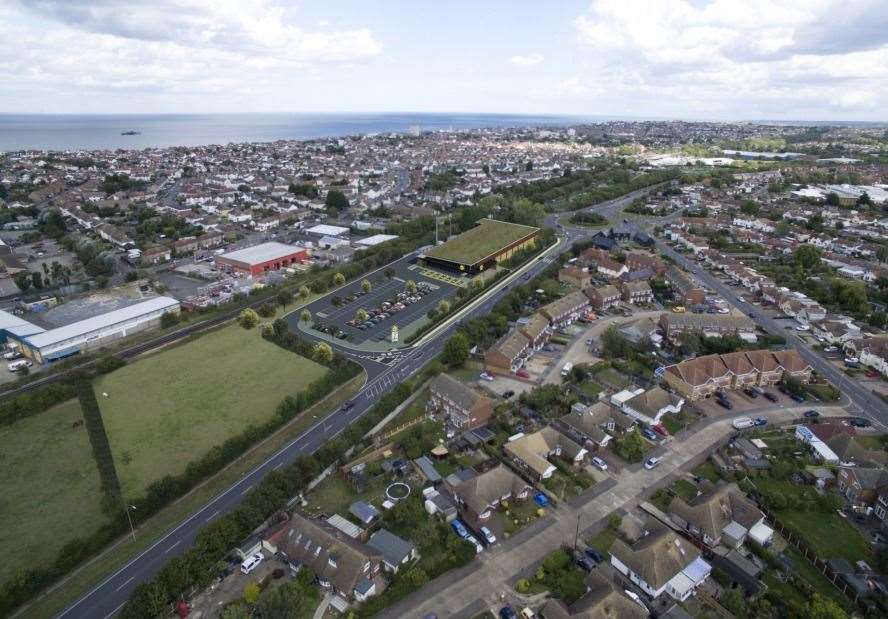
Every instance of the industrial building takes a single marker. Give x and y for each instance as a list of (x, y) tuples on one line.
[(44, 345), (262, 258), (482, 247)]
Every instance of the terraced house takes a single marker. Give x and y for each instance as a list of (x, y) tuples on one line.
[(462, 408)]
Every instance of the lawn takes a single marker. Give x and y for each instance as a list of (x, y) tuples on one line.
[(417, 408), (172, 407), (684, 489), (808, 573), (708, 471), (336, 494), (611, 376), (50, 487), (518, 515), (603, 540), (874, 442), (590, 389)]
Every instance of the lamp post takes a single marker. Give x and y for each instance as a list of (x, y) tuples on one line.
[(130, 520)]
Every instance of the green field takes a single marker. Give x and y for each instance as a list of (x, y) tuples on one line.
[(172, 407), (50, 488), (487, 238)]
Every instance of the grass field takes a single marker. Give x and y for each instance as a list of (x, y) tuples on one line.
[(50, 487), (487, 238), (170, 408)]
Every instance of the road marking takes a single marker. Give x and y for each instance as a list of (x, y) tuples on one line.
[(211, 516), (247, 489), (171, 547), (125, 583), (277, 466), (114, 612)]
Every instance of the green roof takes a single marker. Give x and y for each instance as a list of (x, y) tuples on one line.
[(488, 238)]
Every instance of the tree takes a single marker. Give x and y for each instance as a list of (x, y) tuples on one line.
[(690, 342), (323, 353), (169, 319), (361, 316), (248, 319), (820, 607), (267, 310), (456, 350), (733, 601), (782, 228), (284, 298), (389, 272), (305, 316), (338, 279), (750, 207), (807, 257), (443, 306), (878, 319), (336, 200), (37, 279), (23, 280), (410, 286), (304, 292), (832, 199), (864, 200), (366, 286), (251, 593)]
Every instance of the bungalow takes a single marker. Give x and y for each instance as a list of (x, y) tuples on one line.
[(342, 565), (462, 407), (661, 561), (602, 600), (396, 552), (721, 514), (649, 406), (603, 297), (531, 452), (592, 426), (480, 495)]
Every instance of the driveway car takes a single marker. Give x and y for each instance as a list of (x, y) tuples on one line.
[(652, 463), (598, 462)]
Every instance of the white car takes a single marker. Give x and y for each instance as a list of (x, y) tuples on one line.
[(489, 537), (803, 328), (651, 463), (601, 464), (21, 364), (251, 563), (478, 547), (485, 376), (12, 354), (741, 423), (635, 598)]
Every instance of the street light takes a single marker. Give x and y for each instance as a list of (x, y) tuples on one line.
[(130, 520)]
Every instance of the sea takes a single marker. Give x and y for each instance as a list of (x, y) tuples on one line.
[(71, 132)]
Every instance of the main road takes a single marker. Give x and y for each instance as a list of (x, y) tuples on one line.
[(109, 596)]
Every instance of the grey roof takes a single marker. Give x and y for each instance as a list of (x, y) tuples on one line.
[(262, 252), (428, 469), (393, 548), (364, 512), (455, 391)]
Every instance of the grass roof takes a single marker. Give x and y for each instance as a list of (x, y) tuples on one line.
[(487, 238)]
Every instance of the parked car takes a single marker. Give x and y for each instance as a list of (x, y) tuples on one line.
[(649, 434), (741, 423), (508, 394), (724, 403), (489, 537), (485, 376), (12, 354), (460, 528), (541, 499), (860, 422), (798, 397), (770, 396), (251, 563), (652, 463), (598, 462), (594, 555), (478, 547), (586, 563), (17, 366), (660, 429), (522, 373), (752, 394), (506, 612), (811, 414), (759, 422)]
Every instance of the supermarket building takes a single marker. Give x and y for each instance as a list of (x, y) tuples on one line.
[(262, 258)]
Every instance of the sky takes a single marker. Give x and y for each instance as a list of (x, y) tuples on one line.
[(700, 59)]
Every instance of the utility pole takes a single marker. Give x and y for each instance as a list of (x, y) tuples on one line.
[(130, 520), (577, 536)]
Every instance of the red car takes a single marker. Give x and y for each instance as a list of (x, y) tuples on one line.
[(522, 373), (659, 429)]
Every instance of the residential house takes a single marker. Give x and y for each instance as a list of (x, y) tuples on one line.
[(396, 552), (531, 452), (342, 565), (649, 406), (602, 600), (593, 426), (536, 329), (699, 378), (114, 235), (481, 495), (872, 352), (610, 268), (155, 255), (661, 561), (793, 365), (638, 292), (603, 297), (768, 370), (508, 353), (463, 408), (708, 325), (565, 310), (641, 329), (638, 260), (745, 374), (685, 289), (185, 246), (861, 485), (575, 276), (721, 514)]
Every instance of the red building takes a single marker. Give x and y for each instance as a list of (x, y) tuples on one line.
[(262, 258)]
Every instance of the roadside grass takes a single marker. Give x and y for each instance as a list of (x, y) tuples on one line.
[(147, 533), (169, 408), (416, 409), (828, 534), (51, 489)]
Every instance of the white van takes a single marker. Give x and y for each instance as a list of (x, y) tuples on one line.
[(567, 368), (251, 562), (741, 423), (21, 364)]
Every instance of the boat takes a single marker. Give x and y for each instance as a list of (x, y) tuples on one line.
[(131, 133)]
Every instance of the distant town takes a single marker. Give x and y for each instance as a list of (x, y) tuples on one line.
[(622, 369)]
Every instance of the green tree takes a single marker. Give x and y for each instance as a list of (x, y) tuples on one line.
[(366, 286), (248, 318), (284, 298), (304, 292), (456, 350), (338, 279), (691, 343), (820, 607), (781, 228), (882, 253), (443, 306), (169, 319), (22, 280), (305, 316), (807, 257), (389, 272), (251, 593), (750, 207), (410, 286), (361, 316), (733, 600), (37, 279), (336, 200), (323, 353), (267, 310)]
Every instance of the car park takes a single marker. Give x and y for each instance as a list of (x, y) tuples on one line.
[(18, 366), (599, 463), (652, 463), (251, 563)]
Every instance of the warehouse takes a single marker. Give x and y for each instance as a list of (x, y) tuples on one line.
[(485, 245), (77, 337), (262, 258)]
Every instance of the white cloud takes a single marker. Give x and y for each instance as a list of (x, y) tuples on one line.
[(527, 61)]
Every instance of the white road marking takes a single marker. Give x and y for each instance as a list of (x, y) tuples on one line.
[(211, 516), (247, 489), (114, 612), (125, 583), (171, 547)]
